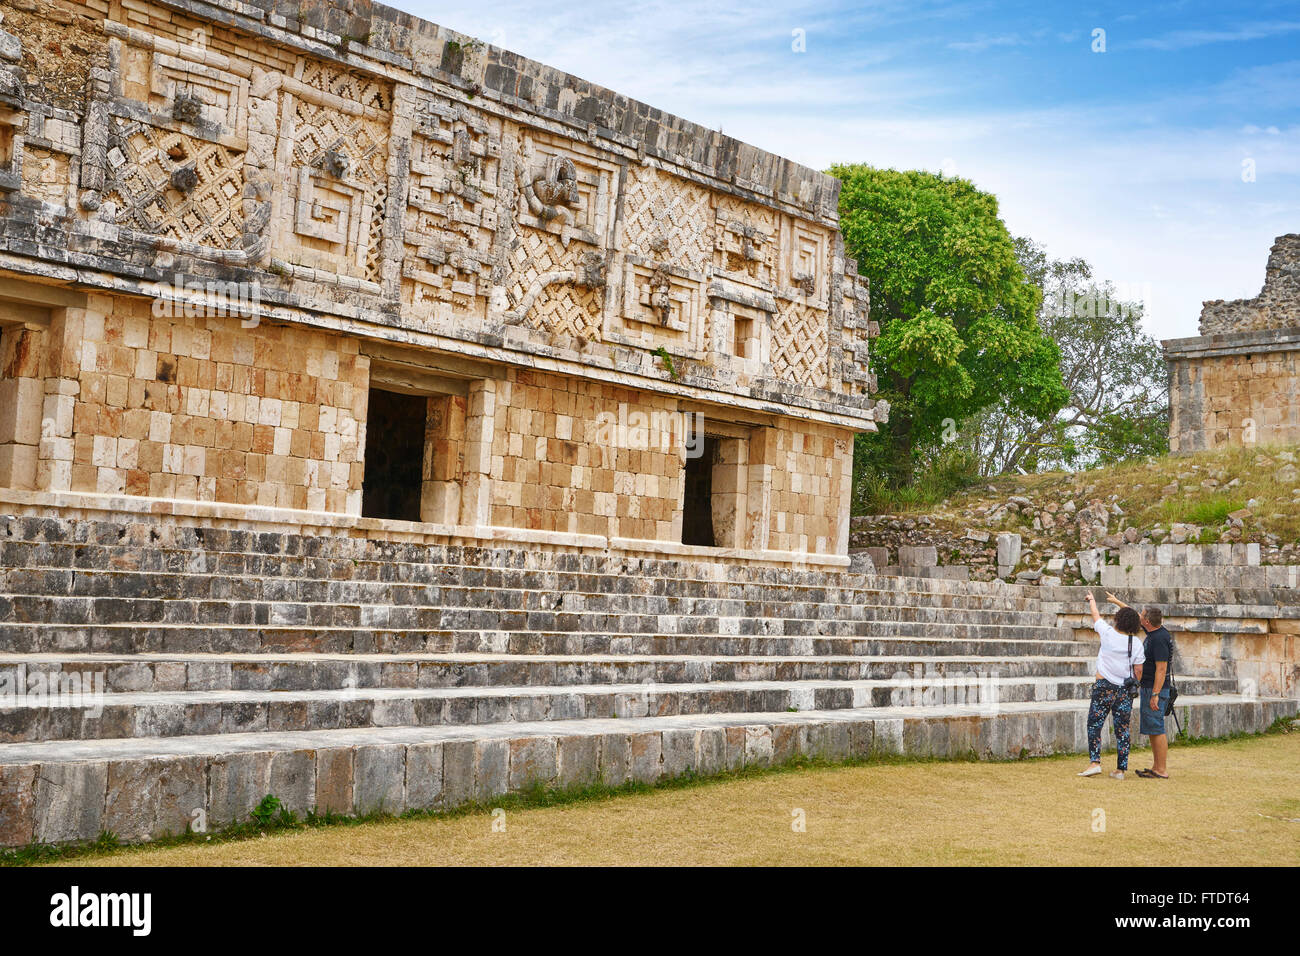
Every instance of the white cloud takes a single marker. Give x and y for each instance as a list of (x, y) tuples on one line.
[(1185, 39)]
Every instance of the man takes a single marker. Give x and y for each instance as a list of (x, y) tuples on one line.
[(1159, 645)]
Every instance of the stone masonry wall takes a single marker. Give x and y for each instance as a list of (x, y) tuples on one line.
[(560, 462), (812, 474), (1239, 382), (1234, 390), (195, 409)]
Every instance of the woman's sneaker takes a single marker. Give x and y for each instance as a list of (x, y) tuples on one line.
[(1090, 772)]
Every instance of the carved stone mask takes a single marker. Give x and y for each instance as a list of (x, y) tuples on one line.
[(335, 162), (187, 108), (184, 179), (559, 185)]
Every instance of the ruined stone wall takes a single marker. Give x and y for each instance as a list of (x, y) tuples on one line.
[(1239, 382), (1276, 307)]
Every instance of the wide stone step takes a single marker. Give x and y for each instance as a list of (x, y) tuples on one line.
[(757, 618), (900, 639), (185, 713), (169, 536), (179, 672), (141, 789), (105, 585), (636, 577), (90, 612)]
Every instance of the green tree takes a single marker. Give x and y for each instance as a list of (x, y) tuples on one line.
[(1115, 373), (958, 317)]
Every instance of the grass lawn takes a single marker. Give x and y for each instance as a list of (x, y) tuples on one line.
[(1232, 802)]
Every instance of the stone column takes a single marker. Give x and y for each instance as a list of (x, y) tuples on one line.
[(444, 443), (758, 523), (730, 493), (480, 427), (22, 397)]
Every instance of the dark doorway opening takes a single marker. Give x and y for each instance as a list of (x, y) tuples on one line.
[(395, 426), (697, 509)]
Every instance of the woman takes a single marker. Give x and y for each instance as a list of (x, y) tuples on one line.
[(1121, 651)]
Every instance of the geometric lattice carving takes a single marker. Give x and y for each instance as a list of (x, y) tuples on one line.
[(667, 219), (858, 331), (370, 92), (342, 174), (451, 211), (800, 344), (562, 308), (142, 160)]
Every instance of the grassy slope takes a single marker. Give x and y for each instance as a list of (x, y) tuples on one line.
[(1139, 489), (1229, 803)]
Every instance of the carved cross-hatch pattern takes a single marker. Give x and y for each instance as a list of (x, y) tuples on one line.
[(142, 159), (667, 219), (563, 308), (318, 129), (368, 91), (799, 345)]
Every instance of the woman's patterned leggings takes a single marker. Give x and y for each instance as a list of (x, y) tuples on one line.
[(1108, 698)]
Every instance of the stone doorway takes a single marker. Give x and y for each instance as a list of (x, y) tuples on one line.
[(395, 427), (716, 492), (697, 504)]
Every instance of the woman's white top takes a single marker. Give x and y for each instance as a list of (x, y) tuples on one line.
[(1114, 662)]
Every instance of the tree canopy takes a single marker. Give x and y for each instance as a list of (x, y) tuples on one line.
[(1115, 373), (959, 329)]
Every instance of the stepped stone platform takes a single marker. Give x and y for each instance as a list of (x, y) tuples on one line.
[(188, 672)]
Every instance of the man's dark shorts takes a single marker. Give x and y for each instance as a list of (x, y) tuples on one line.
[(1153, 721)]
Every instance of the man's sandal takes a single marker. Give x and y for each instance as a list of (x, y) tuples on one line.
[(1146, 774)]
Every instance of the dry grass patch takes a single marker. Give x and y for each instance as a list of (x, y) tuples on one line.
[(1230, 803), (1138, 485)]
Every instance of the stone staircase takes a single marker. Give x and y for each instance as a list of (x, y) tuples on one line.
[(204, 668)]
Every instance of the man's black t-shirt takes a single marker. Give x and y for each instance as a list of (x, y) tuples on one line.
[(1159, 645)]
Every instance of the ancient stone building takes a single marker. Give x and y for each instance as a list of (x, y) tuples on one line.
[(1239, 381), (334, 267), (389, 422)]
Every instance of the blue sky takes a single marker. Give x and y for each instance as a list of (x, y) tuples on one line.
[(1132, 158)]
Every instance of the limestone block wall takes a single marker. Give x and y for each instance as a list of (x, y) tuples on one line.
[(1233, 389), (1239, 381), (559, 462), (193, 408), (813, 473), (605, 460)]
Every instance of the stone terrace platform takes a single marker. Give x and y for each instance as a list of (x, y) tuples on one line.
[(348, 674)]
